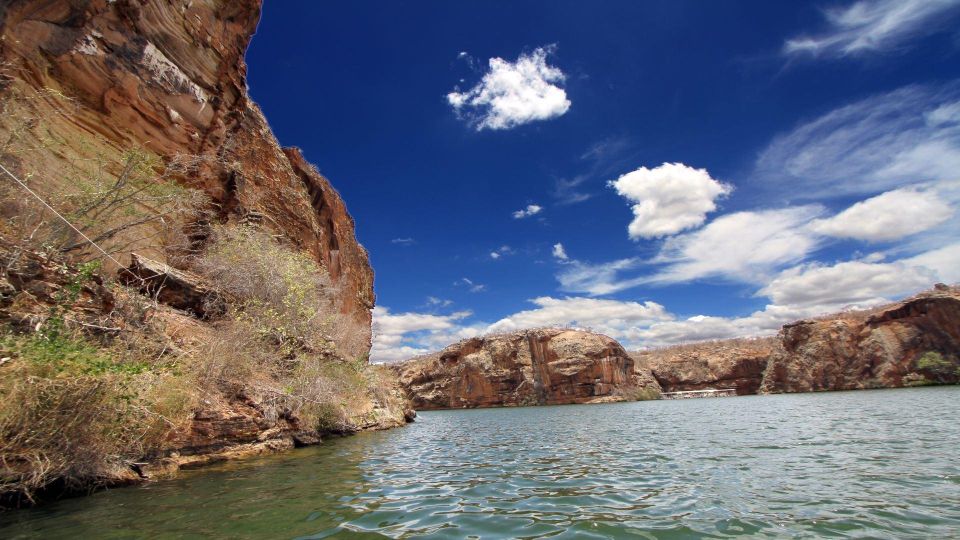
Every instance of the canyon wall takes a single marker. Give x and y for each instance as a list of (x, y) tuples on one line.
[(532, 367), (84, 84), (882, 348), (95, 78), (912, 342)]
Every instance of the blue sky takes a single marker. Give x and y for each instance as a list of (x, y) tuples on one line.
[(662, 172)]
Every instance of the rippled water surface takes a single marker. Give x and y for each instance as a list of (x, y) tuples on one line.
[(873, 464)]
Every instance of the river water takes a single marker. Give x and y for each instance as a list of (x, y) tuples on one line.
[(869, 464)]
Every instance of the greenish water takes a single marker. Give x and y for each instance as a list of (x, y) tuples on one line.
[(872, 464)]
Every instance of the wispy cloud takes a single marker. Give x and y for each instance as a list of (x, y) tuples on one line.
[(433, 301), (906, 136), (889, 216), (599, 278), (403, 241), (742, 247), (501, 251), (874, 26), (471, 285), (530, 210), (514, 93), (601, 160), (745, 247)]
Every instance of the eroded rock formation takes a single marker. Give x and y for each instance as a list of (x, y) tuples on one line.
[(737, 363), (87, 81), (105, 76), (533, 367), (877, 349)]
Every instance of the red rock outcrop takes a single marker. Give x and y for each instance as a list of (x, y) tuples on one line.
[(87, 81), (106, 76), (533, 367), (734, 363), (877, 349)]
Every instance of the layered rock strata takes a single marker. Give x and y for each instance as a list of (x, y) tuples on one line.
[(738, 364), (882, 348), (101, 77), (533, 367)]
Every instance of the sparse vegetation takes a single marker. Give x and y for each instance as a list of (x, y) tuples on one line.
[(941, 368), (74, 409), (283, 337), (638, 393), (916, 379)]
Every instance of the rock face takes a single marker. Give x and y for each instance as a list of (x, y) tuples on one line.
[(737, 364), (88, 81), (534, 367), (109, 75), (878, 349)]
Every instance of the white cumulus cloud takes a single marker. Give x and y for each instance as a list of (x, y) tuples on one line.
[(668, 199), (530, 210), (846, 283), (397, 336), (514, 93), (888, 216), (874, 26)]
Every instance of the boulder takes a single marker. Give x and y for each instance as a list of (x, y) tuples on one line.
[(176, 288)]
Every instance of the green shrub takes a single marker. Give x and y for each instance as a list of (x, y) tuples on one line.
[(70, 412), (940, 367)]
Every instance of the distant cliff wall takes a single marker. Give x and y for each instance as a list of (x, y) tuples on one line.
[(884, 348), (533, 367)]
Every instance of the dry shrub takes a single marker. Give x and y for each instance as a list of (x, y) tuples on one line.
[(758, 345), (281, 339), (281, 294), (121, 200), (637, 393)]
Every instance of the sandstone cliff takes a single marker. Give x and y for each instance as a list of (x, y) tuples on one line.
[(737, 363), (98, 77), (882, 348), (83, 85), (533, 367)]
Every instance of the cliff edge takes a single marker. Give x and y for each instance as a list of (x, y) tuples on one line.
[(169, 77)]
